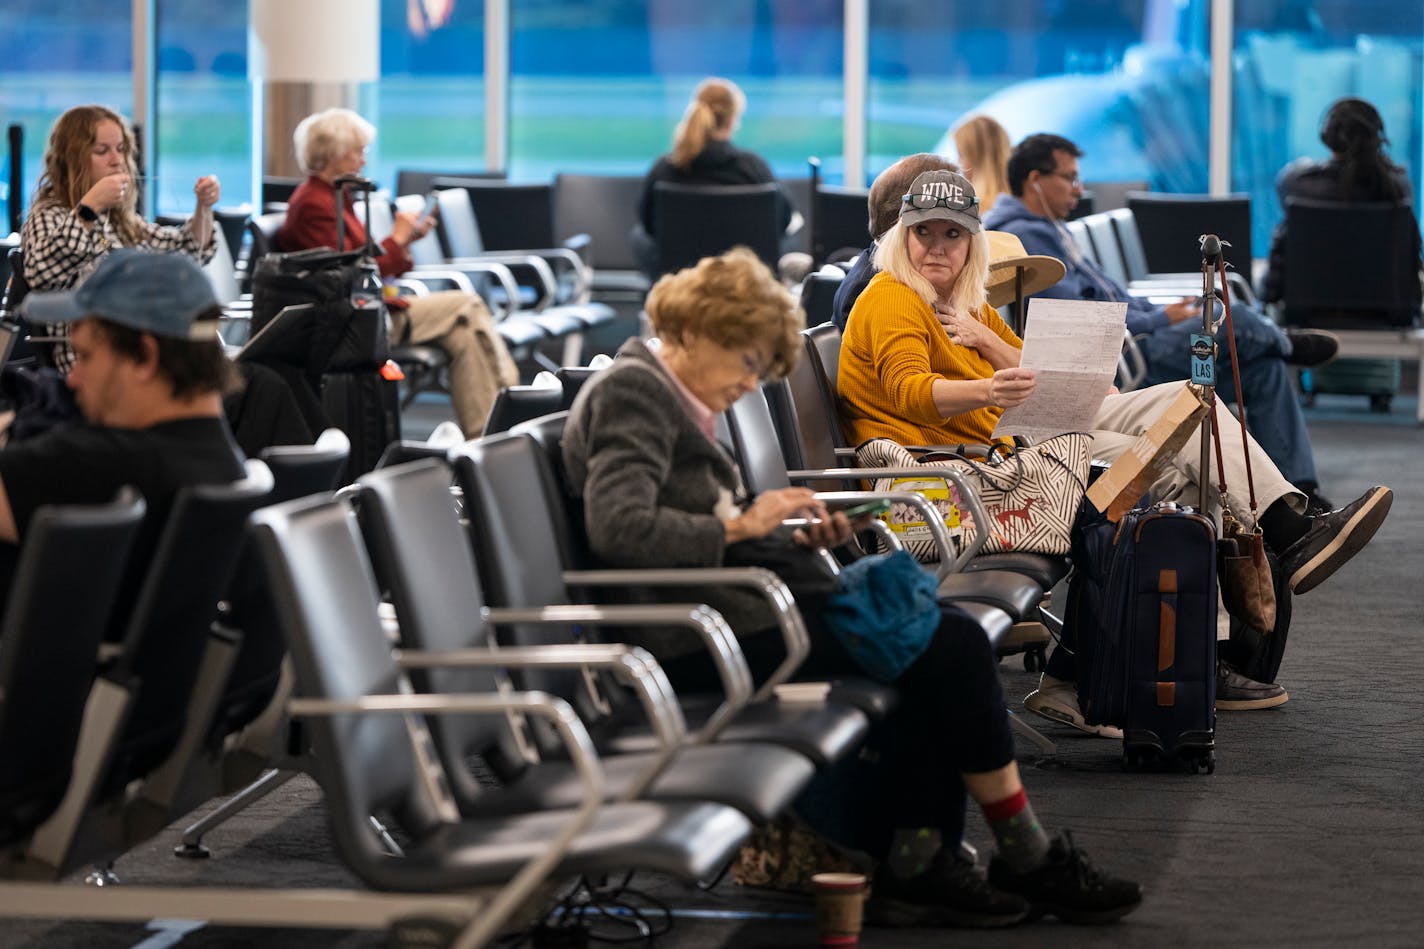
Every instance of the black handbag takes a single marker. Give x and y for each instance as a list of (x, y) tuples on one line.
[(345, 329), (348, 329)]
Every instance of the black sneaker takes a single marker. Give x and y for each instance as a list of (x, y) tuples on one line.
[(1311, 348), (1334, 538), (1068, 886), (1236, 693), (952, 892)]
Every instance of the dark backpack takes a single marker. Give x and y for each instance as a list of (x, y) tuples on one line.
[(345, 332)]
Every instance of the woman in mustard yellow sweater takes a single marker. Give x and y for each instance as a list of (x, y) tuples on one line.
[(926, 361)]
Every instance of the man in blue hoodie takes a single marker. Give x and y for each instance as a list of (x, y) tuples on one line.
[(1045, 187)]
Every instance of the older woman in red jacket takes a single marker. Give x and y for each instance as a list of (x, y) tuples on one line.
[(333, 143)]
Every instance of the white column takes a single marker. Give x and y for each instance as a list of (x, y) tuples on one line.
[(306, 56), (496, 85), (1222, 26), (145, 96), (857, 71)]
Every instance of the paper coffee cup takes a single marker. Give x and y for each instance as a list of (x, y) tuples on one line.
[(840, 901)]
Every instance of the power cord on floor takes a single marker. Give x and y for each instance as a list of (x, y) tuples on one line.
[(601, 912)]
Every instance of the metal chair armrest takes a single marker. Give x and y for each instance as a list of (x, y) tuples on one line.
[(763, 581), (631, 665), (967, 494), (459, 273), (717, 637), (538, 266)]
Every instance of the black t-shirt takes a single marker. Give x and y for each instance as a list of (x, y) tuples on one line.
[(86, 464)]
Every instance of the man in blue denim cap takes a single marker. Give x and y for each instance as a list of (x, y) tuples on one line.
[(149, 376)]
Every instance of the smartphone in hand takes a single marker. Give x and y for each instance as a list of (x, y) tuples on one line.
[(431, 205), (880, 506)]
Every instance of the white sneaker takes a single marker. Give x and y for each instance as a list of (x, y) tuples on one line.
[(1057, 701)]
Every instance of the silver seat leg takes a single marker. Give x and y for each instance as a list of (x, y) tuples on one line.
[(192, 843), (1035, 737)]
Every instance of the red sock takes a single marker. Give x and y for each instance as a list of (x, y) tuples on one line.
[(1007, 808)]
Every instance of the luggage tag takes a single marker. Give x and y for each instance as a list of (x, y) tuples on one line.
[(1203, 359)]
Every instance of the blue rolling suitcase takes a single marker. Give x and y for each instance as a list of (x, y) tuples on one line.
[(1151, 661)]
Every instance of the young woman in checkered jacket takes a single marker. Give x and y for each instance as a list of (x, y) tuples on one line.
[(86, 205)]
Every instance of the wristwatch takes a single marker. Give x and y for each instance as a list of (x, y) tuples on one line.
[(87, 213)]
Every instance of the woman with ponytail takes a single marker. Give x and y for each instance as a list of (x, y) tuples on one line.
[(703, 154), (1358, 169)]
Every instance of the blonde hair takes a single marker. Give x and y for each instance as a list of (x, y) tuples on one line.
[(893, 257), (984, 149), (69, 171), (715, 108), (733, 300), (323, 137)]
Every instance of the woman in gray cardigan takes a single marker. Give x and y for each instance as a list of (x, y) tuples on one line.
[(659, 490)]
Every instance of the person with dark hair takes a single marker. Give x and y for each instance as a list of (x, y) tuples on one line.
[(149, 376), (1358, 169), (86, 205), (703, 154), (884, 204), (640, 442), (1044, 187)]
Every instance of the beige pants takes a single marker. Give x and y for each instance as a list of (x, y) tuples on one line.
[(1123, 417), (480, 365)]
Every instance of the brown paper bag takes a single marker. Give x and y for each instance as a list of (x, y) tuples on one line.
[(1120, 487)]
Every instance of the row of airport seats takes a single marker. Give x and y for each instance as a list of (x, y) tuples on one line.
[(1114, 240), (786, 432), (605, 208), (323, 562), (677, 801), (95, 766), (1353, 269), (138, 704)]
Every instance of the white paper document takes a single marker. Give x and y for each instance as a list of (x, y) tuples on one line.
[(1073, 347)]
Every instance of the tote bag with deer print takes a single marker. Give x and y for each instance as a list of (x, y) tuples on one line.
[(1030, 495)]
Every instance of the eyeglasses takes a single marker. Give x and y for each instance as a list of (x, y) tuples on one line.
[(1074, 180), (923, 202)]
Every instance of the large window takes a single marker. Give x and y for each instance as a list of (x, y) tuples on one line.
[(204, 119), (599, 85), (1124, 79), (54, 56), (429, 106), (1293, 60)]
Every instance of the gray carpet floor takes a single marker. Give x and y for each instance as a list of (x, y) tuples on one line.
[(1308, 835)]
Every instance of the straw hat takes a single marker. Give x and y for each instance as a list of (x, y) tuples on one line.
[(1006, 255)]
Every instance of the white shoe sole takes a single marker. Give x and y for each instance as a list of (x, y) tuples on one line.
[(1054, 713), (1247, 705), (1345, 544)]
